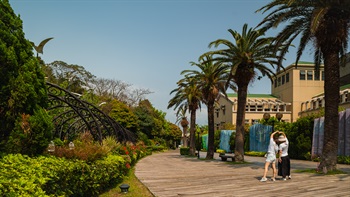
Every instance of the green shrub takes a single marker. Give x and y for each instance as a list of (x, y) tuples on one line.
[(220, 151), (254, 153), (158, 148), (84, 149), (344, 159), (32, 133), (24, 176), (21, 176), (232, 141), (184, 151), (217, 139)]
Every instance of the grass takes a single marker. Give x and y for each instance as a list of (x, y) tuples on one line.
[(137, 189), (314, 171)]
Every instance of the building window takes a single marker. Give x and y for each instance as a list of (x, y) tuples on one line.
[(287, 77), (302, 75), (283, 79), (322, 75), (252, 108), (309, 75), (317, 77), (279, 81)]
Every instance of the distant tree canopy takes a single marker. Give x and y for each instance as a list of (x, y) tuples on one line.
[(23, 90)]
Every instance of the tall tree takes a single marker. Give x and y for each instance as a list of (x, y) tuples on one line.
[(187, 96), (22, 83), (70, 76), (325, 23), (247, 55), (211, 79)]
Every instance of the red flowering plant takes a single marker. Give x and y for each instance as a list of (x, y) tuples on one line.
[(133, 152)]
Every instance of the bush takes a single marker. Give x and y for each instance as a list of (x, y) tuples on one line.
[(85, 149), (220, 151), (232, 141), (256, 154), (300, 135), (344, 159), (32, 134), (217, 139), (184, 151), (42, 176)]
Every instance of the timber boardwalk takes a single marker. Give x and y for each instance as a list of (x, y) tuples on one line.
[(169, 174)]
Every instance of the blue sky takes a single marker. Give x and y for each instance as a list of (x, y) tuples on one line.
[(146, 43)]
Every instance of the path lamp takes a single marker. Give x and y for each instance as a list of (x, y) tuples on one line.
[(124, 188), (266, 118), (279, 116), (51, 147), (71, 145)]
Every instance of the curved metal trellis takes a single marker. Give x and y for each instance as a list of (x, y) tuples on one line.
[(74, 116)]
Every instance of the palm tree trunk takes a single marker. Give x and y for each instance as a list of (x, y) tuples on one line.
[(240, 121), (210, 152), (193, 133), (331, 122)]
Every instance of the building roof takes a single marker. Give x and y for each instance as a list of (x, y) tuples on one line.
[(253, 95), (344, 87)]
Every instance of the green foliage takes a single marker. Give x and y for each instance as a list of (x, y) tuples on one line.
[(184, 151), (344, 159), (21, 176), (58, 176), (217, 139), (173, 134), (254, 153), (69, 76), (31, 134), (232, 141), (22, 81), (144, 138), (220, 151), (145, 119), (86, 149), (124, 116), (158, 148), (300, 135)]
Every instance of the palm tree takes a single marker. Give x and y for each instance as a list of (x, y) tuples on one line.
[(325, 23), (187, 96), (211, 79), (245, 57)]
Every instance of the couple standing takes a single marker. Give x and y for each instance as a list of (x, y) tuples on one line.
[(277, 145)]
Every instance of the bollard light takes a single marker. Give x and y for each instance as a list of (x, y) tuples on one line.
[(124, 188), (71, 145), (51, 147)]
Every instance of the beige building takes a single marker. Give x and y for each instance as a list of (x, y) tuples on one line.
[(295, 92)]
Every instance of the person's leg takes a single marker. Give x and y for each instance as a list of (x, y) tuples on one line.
[(274, 170), (266, 168), (284, 168), (288, 167)]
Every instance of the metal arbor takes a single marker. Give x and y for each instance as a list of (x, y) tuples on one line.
[(74, 116)]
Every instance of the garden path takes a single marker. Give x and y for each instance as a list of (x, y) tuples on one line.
[(169, 174)]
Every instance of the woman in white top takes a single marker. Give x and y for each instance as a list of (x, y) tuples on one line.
[(271, 157)]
